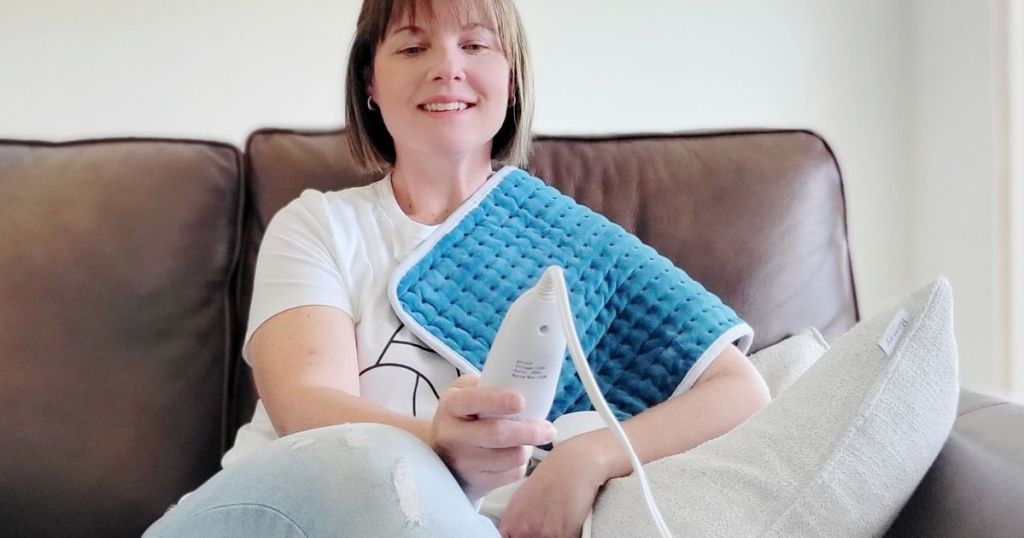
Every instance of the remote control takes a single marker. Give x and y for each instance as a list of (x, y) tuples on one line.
[(529, 348)]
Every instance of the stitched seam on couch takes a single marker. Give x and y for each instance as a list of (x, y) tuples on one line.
[(983, 408)]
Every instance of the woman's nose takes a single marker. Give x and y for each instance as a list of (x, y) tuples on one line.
[(448, 64)]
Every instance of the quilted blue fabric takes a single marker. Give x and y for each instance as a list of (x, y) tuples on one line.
[(642, 321)]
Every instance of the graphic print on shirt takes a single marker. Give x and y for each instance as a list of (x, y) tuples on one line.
[(401, 366)]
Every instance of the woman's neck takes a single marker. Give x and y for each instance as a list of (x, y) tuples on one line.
[(429, 190)]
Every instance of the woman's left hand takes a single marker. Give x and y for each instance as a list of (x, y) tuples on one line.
[(556, 498)]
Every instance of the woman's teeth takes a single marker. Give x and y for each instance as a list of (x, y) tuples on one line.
[(442, 107)]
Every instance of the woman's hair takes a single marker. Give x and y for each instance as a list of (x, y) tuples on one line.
[(368, 138)]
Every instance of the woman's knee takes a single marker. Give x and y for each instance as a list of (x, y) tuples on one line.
[(331, 462), (370, 476), (356, 437), (350, 449)]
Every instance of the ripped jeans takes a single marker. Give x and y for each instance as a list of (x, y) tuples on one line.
[(350, 480)]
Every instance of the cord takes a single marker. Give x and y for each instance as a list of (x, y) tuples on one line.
[(579, 359)]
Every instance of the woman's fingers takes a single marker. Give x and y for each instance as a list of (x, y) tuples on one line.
[(464, 401), (489, 481), (471, 401), (492, 460), (466, 380), (495, 433), (485, 453)]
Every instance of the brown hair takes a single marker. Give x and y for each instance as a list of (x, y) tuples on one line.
[(368, 138)]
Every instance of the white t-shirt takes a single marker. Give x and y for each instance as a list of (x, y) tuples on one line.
[(339, 249)]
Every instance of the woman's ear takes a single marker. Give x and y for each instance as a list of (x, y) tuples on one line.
[(368, 77)]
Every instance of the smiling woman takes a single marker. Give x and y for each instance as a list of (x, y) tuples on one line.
[(475, 48), (444, 89), (361, 428)]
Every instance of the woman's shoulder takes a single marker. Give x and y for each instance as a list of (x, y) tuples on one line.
[(327, 207), (343, 222), (364, 197)]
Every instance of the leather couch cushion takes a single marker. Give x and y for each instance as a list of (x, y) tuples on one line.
[(115, 263), (758, 217), (976, 485)]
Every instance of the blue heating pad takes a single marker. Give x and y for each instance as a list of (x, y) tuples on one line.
[(648, 329)]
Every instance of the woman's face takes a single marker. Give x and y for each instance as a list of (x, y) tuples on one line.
[(442, 84)]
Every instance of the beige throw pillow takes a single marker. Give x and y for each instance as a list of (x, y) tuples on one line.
[(837, 454), (782, 363)]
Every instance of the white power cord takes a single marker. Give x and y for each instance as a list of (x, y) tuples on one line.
[(579, 359)]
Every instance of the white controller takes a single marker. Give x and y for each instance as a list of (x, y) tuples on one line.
[(529, 349), (527, 356)]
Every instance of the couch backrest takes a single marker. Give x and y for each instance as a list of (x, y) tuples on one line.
[(126, 270), (116, 259), (757, 217)]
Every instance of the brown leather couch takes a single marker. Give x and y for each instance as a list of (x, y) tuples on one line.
[(126, 267)]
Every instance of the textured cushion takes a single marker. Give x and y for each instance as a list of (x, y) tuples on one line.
[(648, 330), (782, 363), (837, 454)]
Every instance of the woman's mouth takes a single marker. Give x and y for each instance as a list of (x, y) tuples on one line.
[(453, 106)]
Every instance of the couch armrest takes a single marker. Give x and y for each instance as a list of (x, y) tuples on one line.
[(976, 484)]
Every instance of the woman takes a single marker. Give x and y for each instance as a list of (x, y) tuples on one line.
[(361, 430)]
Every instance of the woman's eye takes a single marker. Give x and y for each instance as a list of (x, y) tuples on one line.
[(409, 51), (475, 47)]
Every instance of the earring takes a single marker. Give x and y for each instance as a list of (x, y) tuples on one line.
[(369, 103)]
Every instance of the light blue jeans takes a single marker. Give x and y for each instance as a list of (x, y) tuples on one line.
[(351, 480)]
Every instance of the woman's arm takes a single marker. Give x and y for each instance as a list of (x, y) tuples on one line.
[(726, 394), (306, 370), (555, 500)]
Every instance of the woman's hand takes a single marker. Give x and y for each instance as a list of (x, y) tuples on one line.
[(484, 454), (557, 497)]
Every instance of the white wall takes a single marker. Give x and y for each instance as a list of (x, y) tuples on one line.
[(862, 74), (206, 69), (957, 172)]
